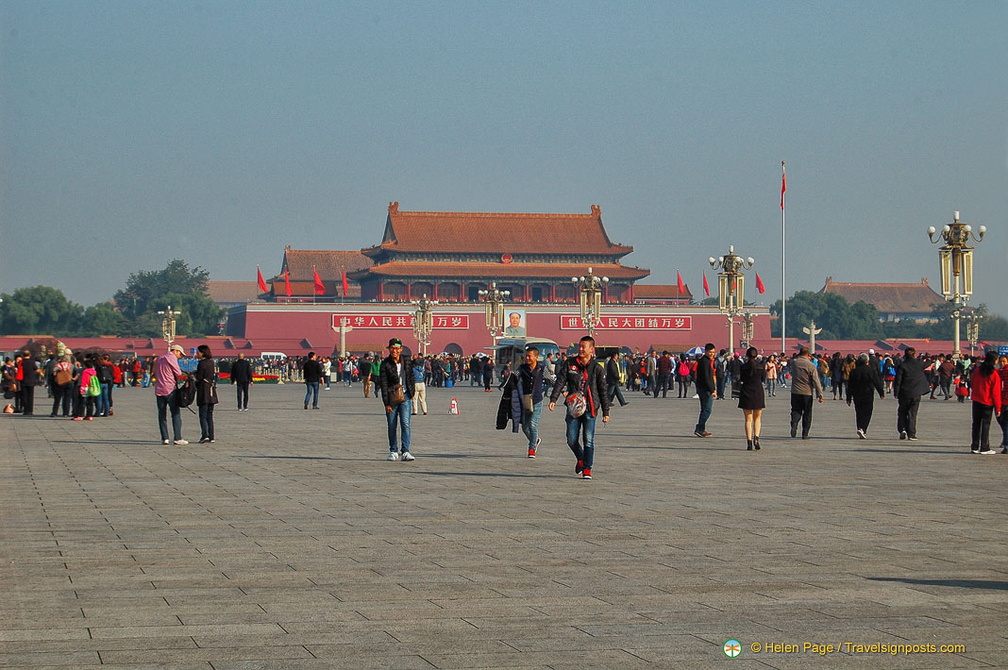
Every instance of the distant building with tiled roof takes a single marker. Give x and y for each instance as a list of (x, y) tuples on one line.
[(450, 256), (299, 267), (232, 293), (894, 302), (661, 294)]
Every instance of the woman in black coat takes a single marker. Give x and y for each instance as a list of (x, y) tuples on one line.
[(864, 382), (205, 378), (751, 397)]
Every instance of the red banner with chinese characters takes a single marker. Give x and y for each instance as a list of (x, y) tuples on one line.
[(621, 322), (381, 321)]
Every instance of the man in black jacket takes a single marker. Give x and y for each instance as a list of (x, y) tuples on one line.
[(911, 383), (312, 371), (612, 380), (30, 377), (706, 388), (584, 376), (241, 377), (397, 370)]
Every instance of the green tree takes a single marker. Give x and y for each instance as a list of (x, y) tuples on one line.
[(178, 285), (103, 319), (146, 286), (838, 319), (38, 309)]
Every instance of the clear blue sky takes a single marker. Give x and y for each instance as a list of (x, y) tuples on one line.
[(218, 132)]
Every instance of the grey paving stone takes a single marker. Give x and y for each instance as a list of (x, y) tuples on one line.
[(292, 543)]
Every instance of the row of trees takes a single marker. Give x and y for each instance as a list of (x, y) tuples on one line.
[(133, 311), (841, 320)]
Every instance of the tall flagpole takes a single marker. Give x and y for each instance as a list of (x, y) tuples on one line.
[(783, 189)]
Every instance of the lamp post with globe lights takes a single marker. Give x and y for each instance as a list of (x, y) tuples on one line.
[(731, 287), (955, 260), (973, 319), (590, 291), (168, 321), (494, 299), (423, 322)]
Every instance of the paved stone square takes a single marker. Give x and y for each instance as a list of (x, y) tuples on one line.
[(292, 543)]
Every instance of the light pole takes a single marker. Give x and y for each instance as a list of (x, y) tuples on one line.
[(973, 328), (748, 327), (494, 299), (423, 322), (955, 258), (731, 287), (168, 324), (590, 291)]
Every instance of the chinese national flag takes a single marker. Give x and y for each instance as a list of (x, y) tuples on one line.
[(783, 188), (287, 287), (346, 284), (262, 282), (680, 284), (706, 287), (760, 288), (319, 286)]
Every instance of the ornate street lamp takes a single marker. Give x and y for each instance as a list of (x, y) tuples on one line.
[(955, 258), (748, 328), (168, 324), (423, 322), (731, 287), (973, 328), (494, 299), (590, 291)]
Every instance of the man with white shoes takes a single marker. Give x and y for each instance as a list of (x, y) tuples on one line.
[(395, 380), (167, 373)]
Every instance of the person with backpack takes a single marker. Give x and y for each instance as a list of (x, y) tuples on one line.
[(103, 366), (90, 391), (62, 386), (683, 374), (167, 373)]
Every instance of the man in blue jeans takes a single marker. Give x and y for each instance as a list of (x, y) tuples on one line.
[(583, 376), (531, 386), (706, 388), (397, 370), (312, 372)]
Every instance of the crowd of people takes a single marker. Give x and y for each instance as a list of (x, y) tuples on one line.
[(80, 387)]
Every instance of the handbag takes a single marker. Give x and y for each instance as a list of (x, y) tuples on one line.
[(576, 405), (527, 402), (397, 395)]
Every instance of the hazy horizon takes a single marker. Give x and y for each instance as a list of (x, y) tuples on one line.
[(132, 133)]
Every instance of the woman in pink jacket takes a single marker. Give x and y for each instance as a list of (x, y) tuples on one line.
[(1003, 416), (985, 391)]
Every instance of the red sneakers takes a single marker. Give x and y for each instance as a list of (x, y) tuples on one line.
[(579, 467), (586, 473)]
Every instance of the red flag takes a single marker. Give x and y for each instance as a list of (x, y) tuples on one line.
[(783, 187), (679, 282), (262, 282), (706, 288), (319, 286), (760, 288), (287, 282), (346, 284)]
